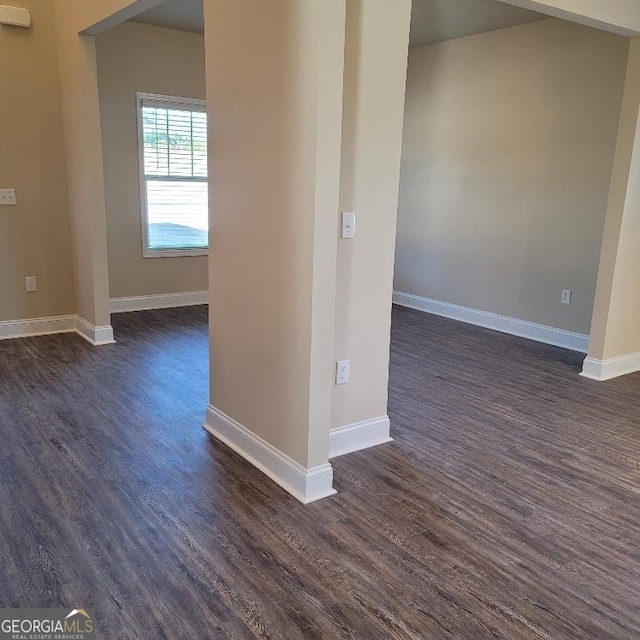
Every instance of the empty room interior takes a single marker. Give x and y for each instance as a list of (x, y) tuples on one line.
[(320, 318)]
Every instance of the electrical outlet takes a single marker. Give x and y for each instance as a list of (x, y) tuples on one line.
[(566, 296), (342, 371), (7, 197), (31, 284)]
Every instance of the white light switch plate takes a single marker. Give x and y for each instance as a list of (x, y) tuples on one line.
[(348, 225), (7, 197)]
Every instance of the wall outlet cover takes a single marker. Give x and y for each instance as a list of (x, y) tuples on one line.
[(7, 197), (31, 284), (342, 371)]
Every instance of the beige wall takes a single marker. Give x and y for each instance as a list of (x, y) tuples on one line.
[(375, 74), (83, 155), (275, 103), (136, 57), (508, 149), (34, 236), (83, 145), (616, 318)]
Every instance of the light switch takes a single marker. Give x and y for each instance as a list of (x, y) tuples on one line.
[(7, 197), (348, 225)]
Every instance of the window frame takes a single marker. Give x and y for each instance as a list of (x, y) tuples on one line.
[(192, 104)]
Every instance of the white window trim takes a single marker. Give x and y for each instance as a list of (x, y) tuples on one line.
[(161, 100)]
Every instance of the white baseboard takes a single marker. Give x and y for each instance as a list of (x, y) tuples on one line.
[(602, 370), (37, 327), (538, 332), (307, 485), (32, 327), (97, 336), (358, 436), (160, 301)]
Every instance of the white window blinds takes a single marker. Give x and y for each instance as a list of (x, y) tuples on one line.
[(174, 172)]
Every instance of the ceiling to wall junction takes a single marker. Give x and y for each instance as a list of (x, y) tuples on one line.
[(432, 20)]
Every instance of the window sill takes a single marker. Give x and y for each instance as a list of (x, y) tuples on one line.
[(176, 253)]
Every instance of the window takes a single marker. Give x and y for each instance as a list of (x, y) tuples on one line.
[(173, 175)]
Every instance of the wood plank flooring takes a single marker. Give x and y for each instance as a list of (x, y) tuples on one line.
[(507, 507)]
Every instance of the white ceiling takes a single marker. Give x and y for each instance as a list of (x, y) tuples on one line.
[(432, 20), (438, 20), (186, 15)]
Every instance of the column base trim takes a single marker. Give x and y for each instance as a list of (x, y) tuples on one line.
[(97, 336), (306, 485), (359, 436), (602, 370)]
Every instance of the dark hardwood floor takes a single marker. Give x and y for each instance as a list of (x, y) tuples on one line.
[(507, 507)]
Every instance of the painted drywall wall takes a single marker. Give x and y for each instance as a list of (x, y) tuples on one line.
[(34, 236), (375, 75), (83, 154), (136, 57), (275, 114), (83, 144), (508, 151), (616, 318)]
